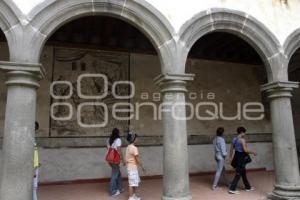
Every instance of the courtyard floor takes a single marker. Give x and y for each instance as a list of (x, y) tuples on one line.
[(152, 189)]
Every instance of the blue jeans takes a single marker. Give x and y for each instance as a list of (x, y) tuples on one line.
[(220, 170), (116, 179)]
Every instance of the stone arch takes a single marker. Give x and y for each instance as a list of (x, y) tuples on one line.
[(50, 15), (291, 47), (9, 17), (292, 44), (242, 25)]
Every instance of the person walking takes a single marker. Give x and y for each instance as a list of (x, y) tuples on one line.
[(239, 161), (220, 155), (114, 145)]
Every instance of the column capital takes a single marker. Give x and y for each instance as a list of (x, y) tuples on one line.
[(279, 89), (173, 82), (26, 74)]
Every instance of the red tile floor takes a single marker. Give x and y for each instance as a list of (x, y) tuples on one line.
[(152, 189)]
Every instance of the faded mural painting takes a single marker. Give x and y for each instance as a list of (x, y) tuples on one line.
[(69, 64)]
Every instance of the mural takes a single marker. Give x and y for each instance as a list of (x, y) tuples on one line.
[(69, 64)]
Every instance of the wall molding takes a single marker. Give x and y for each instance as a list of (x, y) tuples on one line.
[(144, 141)]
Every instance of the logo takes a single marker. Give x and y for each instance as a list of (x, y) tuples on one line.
[(175, 105)]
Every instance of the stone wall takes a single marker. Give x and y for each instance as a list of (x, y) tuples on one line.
[(88, 163)]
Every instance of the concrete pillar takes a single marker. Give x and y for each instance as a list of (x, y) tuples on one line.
[(287, 180), (175, 156), (17, 169)]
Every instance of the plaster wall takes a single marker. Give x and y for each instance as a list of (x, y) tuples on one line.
[(281, 18)]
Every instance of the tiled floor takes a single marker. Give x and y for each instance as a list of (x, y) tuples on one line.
[(152, 189)]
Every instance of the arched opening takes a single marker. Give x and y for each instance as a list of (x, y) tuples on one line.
[(4, 56), (294, 75), (94, 47), (228, 75)]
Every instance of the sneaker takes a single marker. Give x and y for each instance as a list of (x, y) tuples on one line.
[(249, 189), (116, 194), (233, 192), (131, 198)]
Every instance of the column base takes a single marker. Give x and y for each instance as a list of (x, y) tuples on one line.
[(285, 193), (176, 198), (272, 196)]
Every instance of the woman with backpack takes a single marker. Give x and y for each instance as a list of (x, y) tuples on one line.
[(114, 157), (239, 161)]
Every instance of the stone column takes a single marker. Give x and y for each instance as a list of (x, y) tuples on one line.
[(175, 155), (287, 180), (18, 144)]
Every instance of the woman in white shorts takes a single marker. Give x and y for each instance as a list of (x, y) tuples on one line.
[(133, 161)]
